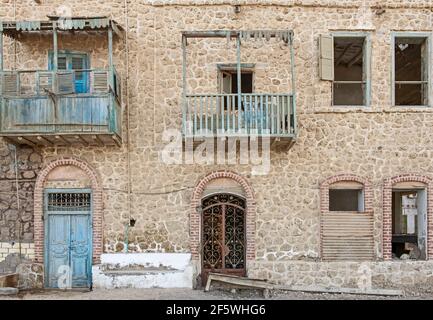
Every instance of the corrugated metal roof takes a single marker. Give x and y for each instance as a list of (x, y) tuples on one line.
[(11, 28)]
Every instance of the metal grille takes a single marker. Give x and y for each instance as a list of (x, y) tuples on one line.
[(69, 201), (223, 232)]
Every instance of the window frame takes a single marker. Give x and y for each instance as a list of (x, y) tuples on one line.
[(366, 66), (428, 58), (69, 54), (232, 68), (360, 196)]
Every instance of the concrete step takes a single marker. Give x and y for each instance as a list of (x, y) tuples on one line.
[(7, 291)]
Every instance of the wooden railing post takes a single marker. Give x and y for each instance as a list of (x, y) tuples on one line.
[(238, 62), (1, 50)]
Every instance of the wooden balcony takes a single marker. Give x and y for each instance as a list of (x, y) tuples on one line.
[(240, 114), (260, 114), (43, 108)]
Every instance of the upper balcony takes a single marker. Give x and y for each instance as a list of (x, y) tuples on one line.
[(251, 98), (67, 103)]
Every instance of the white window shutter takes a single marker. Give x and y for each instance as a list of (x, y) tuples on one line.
[(326, 60)]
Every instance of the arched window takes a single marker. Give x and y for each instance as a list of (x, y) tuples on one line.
[(346, 219)]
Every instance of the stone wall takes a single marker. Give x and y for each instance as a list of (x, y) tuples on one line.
[(16, 224), (375, 143), (408, 275)]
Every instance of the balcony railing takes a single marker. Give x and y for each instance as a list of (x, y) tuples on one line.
[(63, 103), (258, 113)]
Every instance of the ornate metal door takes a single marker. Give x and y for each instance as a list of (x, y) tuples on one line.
[(223, 235)]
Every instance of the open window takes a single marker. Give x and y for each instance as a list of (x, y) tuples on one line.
[(411, 70), (228, 78), (409, 223), (346, 196), (74, 62), (228, 83), (344, 60)]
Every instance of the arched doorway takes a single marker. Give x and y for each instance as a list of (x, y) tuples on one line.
[(223, 235), (68, 222)]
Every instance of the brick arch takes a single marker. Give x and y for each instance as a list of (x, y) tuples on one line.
[(96, 205), (387, 210), (195, 217), (324, 190)]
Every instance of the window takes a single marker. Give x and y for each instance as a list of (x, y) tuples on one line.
[(229, 81), (344, 60), (411, 70), (409, 224), (346, 196), (228, 84), (74, 61), (347, 220)]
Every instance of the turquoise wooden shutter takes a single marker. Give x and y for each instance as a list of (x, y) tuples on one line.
[(78, 62), (72, 61), (100, 81)]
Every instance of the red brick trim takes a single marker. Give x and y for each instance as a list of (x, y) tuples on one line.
[(324, 196), (387, 211), (39, 205), (195, 218)]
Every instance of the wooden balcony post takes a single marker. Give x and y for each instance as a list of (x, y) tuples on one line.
[(110, 57), (55, 48), (110, 47), (1, 50), (184, 102), (292, 65), (238, 65)]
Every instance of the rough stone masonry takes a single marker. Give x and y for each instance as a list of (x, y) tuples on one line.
[(376, 143)]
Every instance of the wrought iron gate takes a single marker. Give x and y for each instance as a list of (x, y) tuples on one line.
[(223, 235)]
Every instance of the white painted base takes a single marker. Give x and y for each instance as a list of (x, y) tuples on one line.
[(144, 270)]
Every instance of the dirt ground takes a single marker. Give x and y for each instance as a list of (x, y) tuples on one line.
[(188, 294)]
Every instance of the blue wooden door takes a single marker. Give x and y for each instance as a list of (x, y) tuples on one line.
[(68, 244)]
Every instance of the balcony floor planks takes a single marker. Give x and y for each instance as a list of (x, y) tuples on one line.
[(55, 140)]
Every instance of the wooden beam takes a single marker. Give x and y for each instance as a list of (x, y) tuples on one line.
[(355, 59), (60, 138), (318, 289), (110, 48), (240, 281), (1, 51), (80, 138), (340, 57), (116, 140), (97, 140), (55, 48), (27, 141), (48, 142)]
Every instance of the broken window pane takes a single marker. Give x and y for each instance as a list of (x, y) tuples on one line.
[(410, 69), (349, 71), (345, 200)]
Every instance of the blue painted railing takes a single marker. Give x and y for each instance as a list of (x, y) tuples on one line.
[(44, 102), (258, 113)]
